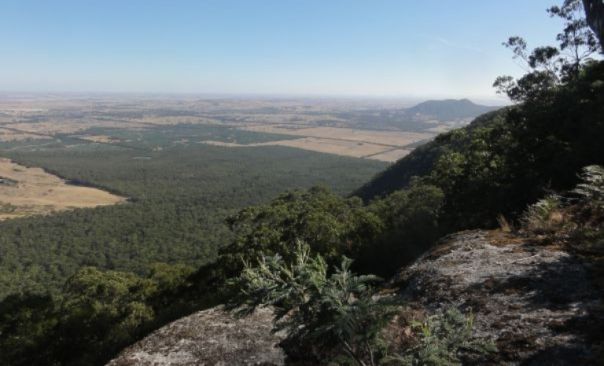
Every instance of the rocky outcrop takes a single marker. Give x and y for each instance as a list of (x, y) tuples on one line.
[(538, 303), (209, 337)]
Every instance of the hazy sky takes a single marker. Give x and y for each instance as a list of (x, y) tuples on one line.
[(435, 48)]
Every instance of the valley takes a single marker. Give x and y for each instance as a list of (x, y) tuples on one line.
[(121, 183)]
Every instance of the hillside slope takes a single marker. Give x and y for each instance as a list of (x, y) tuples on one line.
[(507, 159), (420, 161)]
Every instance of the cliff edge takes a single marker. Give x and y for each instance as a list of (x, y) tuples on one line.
[(538, 303)]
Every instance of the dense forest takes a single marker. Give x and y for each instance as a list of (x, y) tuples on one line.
[(179, 198), (499, 165)]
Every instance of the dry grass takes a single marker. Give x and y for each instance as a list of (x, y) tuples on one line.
[(98, 138), (329, 146), (390, 155), (9, 135), (386, 138), (32, 191), (377, 145)]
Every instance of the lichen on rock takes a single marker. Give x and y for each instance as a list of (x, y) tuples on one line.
[(209, 337), (537, 303)]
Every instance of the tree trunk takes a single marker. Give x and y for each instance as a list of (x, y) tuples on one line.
[(594, 12)]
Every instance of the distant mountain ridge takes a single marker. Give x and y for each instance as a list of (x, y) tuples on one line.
[(420, 117), (447, 109)]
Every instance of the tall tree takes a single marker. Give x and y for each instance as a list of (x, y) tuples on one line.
[(550, 66)]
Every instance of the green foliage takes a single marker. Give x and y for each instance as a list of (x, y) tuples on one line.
[(101, 309), (179, 199), (574, 217), (380, 237), (591, 189), (26, 324), (329, 224), (442, 338), (550, 66), (410, 224), (505, 160), (544, 216), (332, 314), (97, 314)]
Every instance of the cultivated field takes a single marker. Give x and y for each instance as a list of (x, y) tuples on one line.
[(372, 129), (378, 145), (32, 191), (329, 146)]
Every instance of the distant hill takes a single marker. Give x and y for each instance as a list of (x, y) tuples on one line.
[(448, 109), (417, 118)]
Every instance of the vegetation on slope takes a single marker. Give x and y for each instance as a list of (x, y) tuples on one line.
[(509, 158)]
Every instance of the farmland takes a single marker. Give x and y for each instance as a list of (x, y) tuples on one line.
[(122, 182)]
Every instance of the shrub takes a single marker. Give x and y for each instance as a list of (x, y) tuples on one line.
[(442, 338), (332, 315), (591, 189), (543, 217)]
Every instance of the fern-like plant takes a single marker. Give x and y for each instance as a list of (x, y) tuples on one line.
[(441, 340), (591, 189), (540, 217), (333, 314)]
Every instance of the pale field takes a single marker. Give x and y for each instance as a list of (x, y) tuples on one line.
[(175, 120), (390, 155), (387, 138), (32, 191), (8, 135), (49, 128), (104, 139), (329, 146)]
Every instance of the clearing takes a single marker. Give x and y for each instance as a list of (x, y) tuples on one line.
[(378, 145), (32, 191)]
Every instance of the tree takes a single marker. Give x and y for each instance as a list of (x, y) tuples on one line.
[(549, 66)]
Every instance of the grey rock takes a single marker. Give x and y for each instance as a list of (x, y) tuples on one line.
[(537, 303), (209, 337)]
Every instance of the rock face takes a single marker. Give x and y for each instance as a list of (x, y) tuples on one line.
[(209, 337), (537, 303)]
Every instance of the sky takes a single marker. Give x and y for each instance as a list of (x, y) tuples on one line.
[(365, 48)]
